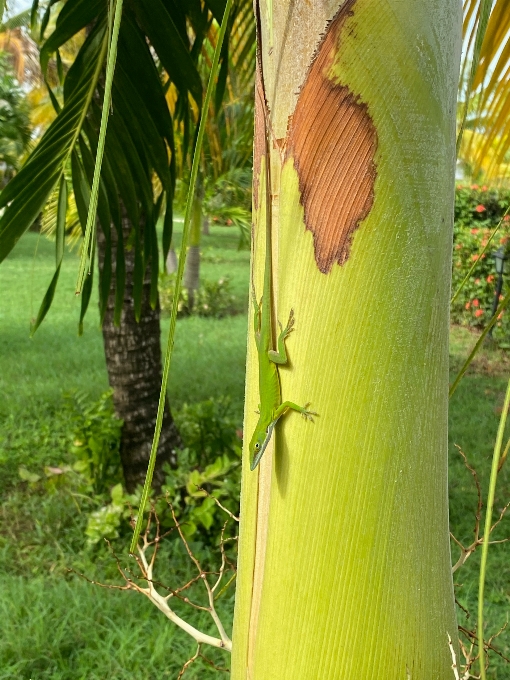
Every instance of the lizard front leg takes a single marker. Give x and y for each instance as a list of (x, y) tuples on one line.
[(290, 405), (280, 355)]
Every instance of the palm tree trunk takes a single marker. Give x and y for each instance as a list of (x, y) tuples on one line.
[(133, 361), (344, 558)]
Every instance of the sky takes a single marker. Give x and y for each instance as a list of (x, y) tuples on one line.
[(17, 6)]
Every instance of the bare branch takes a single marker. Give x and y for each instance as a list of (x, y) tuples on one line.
[(188, 663), (465, 552), (230, 514), (147, 550), (227, 643), (196, 655)]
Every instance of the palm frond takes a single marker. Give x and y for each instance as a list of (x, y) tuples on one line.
[(140, 142), (487, 147), (26, 194)]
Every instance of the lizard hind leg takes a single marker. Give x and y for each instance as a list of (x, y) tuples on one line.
[(289, 327), (280, 355)]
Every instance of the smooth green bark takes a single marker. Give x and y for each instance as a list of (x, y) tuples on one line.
[(344, 569)]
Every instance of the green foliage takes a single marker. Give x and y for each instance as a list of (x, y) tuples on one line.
[(26, 440), (477, 213), (233, 188), (53, 625), (208, 468), (159, 46), (105, 521), (96, 441), (15, 129), (94, 451), (208, 428), (212, 299), (480, 205), (227, 200)]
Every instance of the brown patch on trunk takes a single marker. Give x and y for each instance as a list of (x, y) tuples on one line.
[(259, 139), (332, 141)]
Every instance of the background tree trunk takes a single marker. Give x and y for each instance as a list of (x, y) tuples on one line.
[(133, 360)]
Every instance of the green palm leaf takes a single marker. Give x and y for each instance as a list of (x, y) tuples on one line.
[(487, 127), (26, 194)]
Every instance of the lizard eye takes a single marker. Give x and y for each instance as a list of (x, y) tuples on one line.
[(257, 445)]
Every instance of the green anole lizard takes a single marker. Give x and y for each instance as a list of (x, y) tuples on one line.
[(271, 408)]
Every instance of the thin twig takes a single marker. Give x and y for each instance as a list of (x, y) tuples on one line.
[(231, 514), (210, 595), (468, 615), (189, 662), (465, 552)]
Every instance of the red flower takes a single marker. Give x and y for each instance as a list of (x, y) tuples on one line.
[(476, 303), (458, 246), (474, 231), (478, 312), (467, 305), (474, 258), (480, 208), (485, 187), (500, 315), (474, 186), (506, 218), (477, 281), (490, 278)]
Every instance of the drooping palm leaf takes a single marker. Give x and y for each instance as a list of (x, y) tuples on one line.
[(59, 253), (26, 194), (89, 239), (483, 9), (487, 133)]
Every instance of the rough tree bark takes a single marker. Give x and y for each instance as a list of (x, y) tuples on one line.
[(133, 361)]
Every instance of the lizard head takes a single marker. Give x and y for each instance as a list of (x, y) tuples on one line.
[(259, 442)]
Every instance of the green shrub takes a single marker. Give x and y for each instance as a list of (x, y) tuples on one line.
[(212, 299), (207, 428), (89, 484), (209, 468), (96, 441), (477, 212), (480, 206)]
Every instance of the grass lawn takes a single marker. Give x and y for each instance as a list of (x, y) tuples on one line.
[(53, 625)]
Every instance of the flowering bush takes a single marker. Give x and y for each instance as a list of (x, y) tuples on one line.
[(477, 206), (477, 211)]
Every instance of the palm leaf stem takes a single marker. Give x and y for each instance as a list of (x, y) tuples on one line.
[(91, 216)]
